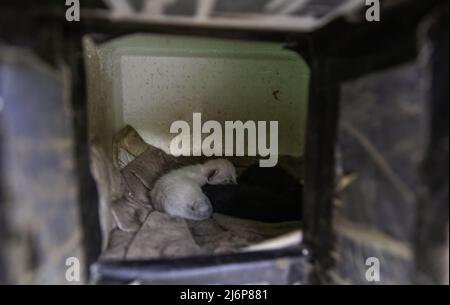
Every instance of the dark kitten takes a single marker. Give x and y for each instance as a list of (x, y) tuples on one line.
[(263, 194)]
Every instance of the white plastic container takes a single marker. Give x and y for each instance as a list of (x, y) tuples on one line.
[(150, 81)]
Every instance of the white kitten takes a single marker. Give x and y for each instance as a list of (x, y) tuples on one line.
[(179, 193)]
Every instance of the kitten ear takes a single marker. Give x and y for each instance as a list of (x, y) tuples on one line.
[(211, 174)]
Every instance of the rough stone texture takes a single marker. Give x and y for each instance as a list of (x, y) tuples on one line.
[(432, 242), (380, 144), (392, 181), (40, 222)]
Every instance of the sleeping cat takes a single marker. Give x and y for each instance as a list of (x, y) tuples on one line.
[(179, 193)]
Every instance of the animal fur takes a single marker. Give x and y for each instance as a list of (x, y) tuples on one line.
[(179, 193), (266, 194)]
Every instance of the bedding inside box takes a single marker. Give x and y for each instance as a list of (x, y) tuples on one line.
[(150, 81), (137, 231)]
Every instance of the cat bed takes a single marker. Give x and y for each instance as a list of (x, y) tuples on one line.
[(135, 230)]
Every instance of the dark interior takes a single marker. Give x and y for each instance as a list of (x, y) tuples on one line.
[(354, 65)]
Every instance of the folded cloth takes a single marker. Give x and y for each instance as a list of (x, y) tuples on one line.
[(163, 235), (143, 233)]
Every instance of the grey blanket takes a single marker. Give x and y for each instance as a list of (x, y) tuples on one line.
[(143, 233)]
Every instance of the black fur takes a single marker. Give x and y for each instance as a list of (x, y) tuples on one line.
[(263, 194)]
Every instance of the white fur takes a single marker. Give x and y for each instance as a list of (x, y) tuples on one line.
[(179, 193)]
